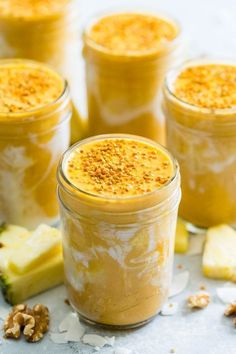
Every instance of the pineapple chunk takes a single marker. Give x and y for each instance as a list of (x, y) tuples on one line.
[(41, 273), (11, 237), (219, 257), (181, 237), (43, 243), (17, 288)]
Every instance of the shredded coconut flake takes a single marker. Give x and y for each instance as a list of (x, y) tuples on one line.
[(226, 295), (169, 309), (179, 283), (58, 338), (98, 341)]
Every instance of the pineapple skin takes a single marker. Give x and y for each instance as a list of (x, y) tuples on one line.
[(17, 288)]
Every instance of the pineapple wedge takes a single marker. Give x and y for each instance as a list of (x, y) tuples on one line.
[(219, 257), (181, 237), (11, 237), (43, 243), (41, 273)]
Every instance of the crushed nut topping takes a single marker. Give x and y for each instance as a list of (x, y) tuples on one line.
[(209, 86), (198, 301), (119, 167), (25, 86), (67, 302), (230, 310), (34, 322), (234, 321), (131, 32)]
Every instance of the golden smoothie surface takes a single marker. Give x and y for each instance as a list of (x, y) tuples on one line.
[(30, 8), (209, 86), (118, 167), (131, 32), (25, 87)]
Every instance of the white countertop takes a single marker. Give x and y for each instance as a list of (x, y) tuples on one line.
[(210, 28)]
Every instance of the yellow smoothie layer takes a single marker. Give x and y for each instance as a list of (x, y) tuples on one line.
[(30, 8), (24, 88), (119, 167), (131, 32), (209, 85)]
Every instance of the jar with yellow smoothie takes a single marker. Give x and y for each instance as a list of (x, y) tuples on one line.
[(127, 56), (46, 31), (35, 111), (200, 108), (42, 30), (119, 196)]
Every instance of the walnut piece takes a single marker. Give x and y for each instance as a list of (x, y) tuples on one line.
[(230, 309), (41, 316), (14, 322), (199, 300), (34, 322)]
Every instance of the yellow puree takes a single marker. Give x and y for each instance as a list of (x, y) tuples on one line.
[(127, 56), (28, 154), (206, 157), (116, 273)]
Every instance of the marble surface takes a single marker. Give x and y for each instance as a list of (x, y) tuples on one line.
[(210, 29)]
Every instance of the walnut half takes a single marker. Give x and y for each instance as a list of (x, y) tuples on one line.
[(199, 300), (34, 322), (230, 309)]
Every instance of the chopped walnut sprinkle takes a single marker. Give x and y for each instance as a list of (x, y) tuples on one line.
[(230, 310), (67, 302), (24, 87), (34, 322), (125, 33), (198, 301), (119, 167), (209, 86)]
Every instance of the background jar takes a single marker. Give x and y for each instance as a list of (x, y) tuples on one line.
[(204, 143), (31, 144), (48, 34), (118, 252), (123, 90)]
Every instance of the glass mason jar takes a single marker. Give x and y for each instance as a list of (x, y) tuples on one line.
[(204, 143), (31, 143), (42, 31), (45, 31), (123, 88), (118, 251)]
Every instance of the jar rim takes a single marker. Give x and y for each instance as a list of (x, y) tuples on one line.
[(172, 75), (61, 176), (133, 54), (16, 117)]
